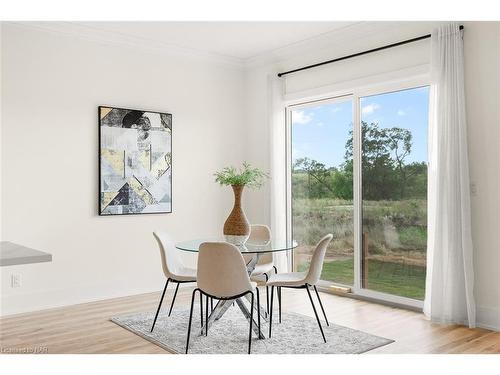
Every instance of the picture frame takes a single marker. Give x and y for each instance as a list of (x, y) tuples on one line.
[(135, 161)]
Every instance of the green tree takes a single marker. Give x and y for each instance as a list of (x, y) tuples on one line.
[(384, 150), (318, 176), (386, 173), (342, 181), (399, 142)]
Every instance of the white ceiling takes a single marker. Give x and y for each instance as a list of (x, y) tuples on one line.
[(236, 40)]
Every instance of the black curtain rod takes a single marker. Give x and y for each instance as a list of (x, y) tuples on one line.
[(360, 53)]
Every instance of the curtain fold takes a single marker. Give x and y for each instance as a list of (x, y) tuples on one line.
[(450, 277), (277, 138)]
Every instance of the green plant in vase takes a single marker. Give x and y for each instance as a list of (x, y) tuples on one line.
[(236, 227)]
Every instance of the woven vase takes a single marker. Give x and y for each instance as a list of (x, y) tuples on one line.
[(236, 227)]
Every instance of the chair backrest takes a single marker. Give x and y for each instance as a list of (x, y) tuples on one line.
[(318, 256), (170, 261), (260, 234), (221, 270)]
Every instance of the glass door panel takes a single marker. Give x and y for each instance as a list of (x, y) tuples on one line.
[(394, 191), (322, 185)]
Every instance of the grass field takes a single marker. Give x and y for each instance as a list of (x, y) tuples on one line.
[(387, 277), (396, 235)]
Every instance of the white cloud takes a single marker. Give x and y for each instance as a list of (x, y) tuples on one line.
[(336, 109), (320, 124), (369, 109), (401, 112), (300, 117)]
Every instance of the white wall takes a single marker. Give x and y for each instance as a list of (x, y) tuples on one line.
[(482, 84), (52, 85), (482, 59)]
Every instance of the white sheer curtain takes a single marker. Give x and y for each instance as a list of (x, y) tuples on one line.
[(277, 139), (450, 277)]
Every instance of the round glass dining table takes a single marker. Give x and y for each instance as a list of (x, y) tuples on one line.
[(256, 249), (246, 248)]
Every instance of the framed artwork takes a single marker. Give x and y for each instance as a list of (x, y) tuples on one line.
[(135, 162)]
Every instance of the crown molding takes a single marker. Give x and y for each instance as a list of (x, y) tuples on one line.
[(335, 42), (94, 34), (292, 50), (341, 39)]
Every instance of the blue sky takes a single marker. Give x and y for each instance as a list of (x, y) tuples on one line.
[(320, 131)]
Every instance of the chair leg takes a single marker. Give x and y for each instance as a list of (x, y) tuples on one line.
[(315, 313), (279, 302), (173, 300), (271, 311), (201, 309), (275, 269), (211, 305), (267, 293), (267, 299), (206, 315), (251, 323), (159, 305), (258, 312), (190, 319), (321, 304)]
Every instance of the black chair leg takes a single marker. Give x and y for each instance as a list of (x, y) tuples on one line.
[(159, 305), (206, 315), (267, 294), (251, 323), (275, 269), (315, 313), (173, 300), (201, 309), (190, 319), (279, 302), (271, 311), (267, 299), (321, 304), (258, 312)]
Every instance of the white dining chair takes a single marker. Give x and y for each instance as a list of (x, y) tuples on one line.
[(302, 280), (261, 234), (222, 274), (174, 270)]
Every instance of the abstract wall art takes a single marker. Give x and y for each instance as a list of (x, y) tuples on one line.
[(135, 162)]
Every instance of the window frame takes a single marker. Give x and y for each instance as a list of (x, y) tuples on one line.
[(383, 84)]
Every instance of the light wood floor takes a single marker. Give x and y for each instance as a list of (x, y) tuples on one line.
[(86, 328)]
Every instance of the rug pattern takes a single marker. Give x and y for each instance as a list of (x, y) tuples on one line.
[(297, 334)]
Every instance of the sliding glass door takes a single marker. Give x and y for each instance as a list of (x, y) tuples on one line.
[(359, 171), (321, 185), (394, 191)]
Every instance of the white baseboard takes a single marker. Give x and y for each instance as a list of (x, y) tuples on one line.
[(36, 301), (488, 317)]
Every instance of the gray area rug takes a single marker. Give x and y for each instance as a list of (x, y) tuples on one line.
[(297, 334)]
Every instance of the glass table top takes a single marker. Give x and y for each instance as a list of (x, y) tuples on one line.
[(248, 247)]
